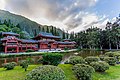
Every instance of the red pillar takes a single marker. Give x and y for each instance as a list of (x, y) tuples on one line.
[(17, 49), (5, 49)]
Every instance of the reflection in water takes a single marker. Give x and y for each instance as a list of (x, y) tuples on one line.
[(16, 59), (83, 53)]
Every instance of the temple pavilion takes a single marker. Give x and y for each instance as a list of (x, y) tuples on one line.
[(11, 43)]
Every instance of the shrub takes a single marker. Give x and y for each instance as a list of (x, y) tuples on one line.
[(46, 72), (110, 60), (52, 58), (66, 48), (117, 56), (9, 66), (92, 59), (23, 63), (109, 54), (75, 60), (102, 57), (100, 66), (40, 61), (14, 63), (30, 60), (29, 50), (83, 72)]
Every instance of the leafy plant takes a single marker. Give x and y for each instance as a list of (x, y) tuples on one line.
[(83, 72), (100, 66), (52, 58), (9, 66), (46, 72), (109, 54), (24, 64), (75, 60), (92, 59), (110, 60)]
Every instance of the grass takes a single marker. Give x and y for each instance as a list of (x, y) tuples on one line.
[(67, 68), (19, 74), (16, 74), (112, 74)]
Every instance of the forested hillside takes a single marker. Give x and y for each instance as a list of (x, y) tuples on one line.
[(25, 26)]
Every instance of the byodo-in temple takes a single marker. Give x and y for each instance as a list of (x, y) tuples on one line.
[(43, 41)]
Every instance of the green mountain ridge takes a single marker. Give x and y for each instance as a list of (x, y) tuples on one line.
[(25, 24)]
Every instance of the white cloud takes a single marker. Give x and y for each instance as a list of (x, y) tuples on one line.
[(88, 20), (64, 14), (2, 4)]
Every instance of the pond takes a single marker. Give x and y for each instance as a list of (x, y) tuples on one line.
[(83, 53)]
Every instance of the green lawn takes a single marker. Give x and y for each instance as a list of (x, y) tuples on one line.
[(112, 74), (16, 74), (19, 74), (67, 68)]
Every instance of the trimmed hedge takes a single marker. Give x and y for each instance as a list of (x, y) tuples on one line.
[(75, 60), (92, 59), (83, 72), (111, 60), (52, 58), (102, 57), (100, 66), (9, 66), (110, 54), (47, 72)]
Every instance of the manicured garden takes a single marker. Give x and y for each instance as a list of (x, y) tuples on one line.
[(103, 67), (19, 74)]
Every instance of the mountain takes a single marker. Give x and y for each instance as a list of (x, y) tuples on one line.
[(26, 24)]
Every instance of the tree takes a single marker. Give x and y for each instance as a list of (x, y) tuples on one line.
[(47, 30), (16, 30), (43, 29), (63, 35), (39, 28)]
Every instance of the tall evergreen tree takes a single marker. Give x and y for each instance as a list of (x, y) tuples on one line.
[(39, 28), (43, 29), (47, 30)]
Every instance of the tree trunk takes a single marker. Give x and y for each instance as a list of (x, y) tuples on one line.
[(90, 47), (109, 46), (81, 47), (101, 47), (117, 46)]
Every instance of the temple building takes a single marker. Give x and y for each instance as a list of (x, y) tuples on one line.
[(11, 43)]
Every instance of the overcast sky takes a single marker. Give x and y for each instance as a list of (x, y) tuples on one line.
[(71, 15)]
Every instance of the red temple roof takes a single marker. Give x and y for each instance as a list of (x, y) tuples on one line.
[(47, 35)]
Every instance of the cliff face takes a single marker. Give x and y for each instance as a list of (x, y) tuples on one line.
[(25, 24)]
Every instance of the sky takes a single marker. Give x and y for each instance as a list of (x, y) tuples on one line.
[(68, 15)]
